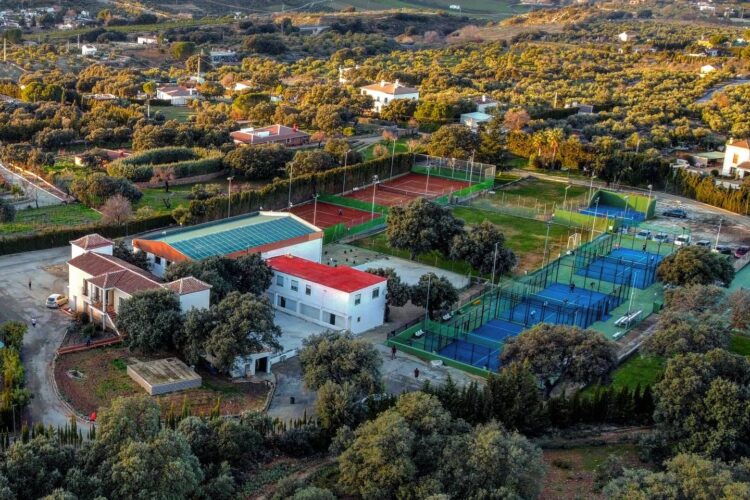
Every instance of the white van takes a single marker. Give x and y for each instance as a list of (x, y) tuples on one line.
[(683, 240)]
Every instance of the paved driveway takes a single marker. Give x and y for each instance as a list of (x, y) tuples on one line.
[(48, 274)]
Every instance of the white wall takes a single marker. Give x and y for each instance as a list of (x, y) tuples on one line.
[(357, 318), (75, 288), (730, 161), (381, 99), (195, 300), (310, 250), (75, 250), (156, 269)]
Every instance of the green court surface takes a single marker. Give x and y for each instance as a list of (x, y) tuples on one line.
[(229, 236)]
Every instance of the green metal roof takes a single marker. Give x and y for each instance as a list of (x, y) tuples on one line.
[(234, 235)]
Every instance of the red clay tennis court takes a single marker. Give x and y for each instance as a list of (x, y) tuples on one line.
[(402, 190), (328, 215)]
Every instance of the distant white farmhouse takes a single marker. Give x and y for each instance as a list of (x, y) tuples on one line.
[(626, 36), (147, 40), (475, 119), (88, 50), (385, 92), (177, 94), (737, 159), (707, 69)]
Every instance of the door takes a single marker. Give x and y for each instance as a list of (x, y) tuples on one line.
[(261, 365)]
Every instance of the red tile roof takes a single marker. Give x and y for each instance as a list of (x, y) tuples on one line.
[(92, 241), (743, 144), (184, 286), (345, 279), (272, 133), (391, 88)]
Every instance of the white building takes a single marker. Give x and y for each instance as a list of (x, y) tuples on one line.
[(736, 159), (385, 92), (88, 50), (626, 36), (266, 233), (99, 283), (473, 120), (341, 298), (707, 69), (243, 85), (484, 103), (147, 40), (222, 56), (177, 94)]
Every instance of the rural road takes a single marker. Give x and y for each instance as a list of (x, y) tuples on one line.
[(48, 274)]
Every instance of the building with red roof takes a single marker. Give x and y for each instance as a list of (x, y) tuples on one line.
[(98, 282), (341, 298)]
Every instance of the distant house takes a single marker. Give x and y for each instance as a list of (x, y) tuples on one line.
[(273, 134), (312, 29), (100, 97), (736, 159), (147, 40), (484, 103), (111, 154), (707, 69), (473, 120), (88, 50), (243, 85), (223, 56), (177, 94), (343, 72), (626, 36), (385, 92)]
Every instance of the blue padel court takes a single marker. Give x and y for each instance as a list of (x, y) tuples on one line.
[(622, 266), (560, 304), (484, 357), (614, 213)]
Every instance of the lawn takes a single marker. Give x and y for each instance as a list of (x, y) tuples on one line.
[(379, 243), (104, 377), (401, 147), (153, 197), (740, 344), (523, 235), (33, 219), (179, 113), (639, 370), (530, 191)]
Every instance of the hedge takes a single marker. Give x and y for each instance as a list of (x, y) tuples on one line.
[(183, 162), (57, 237)]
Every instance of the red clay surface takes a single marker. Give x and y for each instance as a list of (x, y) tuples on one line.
[(329, 215), (418, 186)]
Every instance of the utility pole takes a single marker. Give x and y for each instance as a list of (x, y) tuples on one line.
[(78, 42), (5, 50), (554, 105), (718, 233), (200, 56)]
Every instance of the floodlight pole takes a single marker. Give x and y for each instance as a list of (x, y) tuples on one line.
[(565, 198), (593, 222), (315, 208), (471, 166), (591, 185), (494, 262), (546, 240), (291, 173), (229, 198), (393, 156), (632, 292), (717, 234), (627, 200), (427, 302), (650, 189), (374, 188), (346, 160)]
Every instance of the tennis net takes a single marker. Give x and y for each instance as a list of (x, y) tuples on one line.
[(405, 192), (640, 264)]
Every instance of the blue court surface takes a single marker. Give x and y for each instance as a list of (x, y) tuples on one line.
[(560, 305), (497, 330), (623, 266), (614, 213), (473, 354)]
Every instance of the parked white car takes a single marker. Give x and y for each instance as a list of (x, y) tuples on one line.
[(683, 240), (56, 300)]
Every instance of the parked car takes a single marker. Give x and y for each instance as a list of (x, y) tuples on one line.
[(703, 243), (56, 300), (677, 213), (741, 251), (643, 234), (683, 240), (661, 238), (723, 249)]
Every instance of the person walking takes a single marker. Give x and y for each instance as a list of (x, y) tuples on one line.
[(416, 373), (393, 352), (29, 283), (33, 322)]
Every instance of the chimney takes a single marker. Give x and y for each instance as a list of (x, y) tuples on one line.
[(484, 97), (295, 127), (397, 83), (382, 83)]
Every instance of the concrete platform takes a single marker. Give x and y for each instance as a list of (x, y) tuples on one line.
[(163, 376)]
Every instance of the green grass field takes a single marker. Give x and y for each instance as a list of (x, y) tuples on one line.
[(34, 219), (179, 113), (524, 236), (152, 197), (643, 370), (533, 190), (740, 344), (401, 147)]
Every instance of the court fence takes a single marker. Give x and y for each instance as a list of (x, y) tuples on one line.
[(453, 168), (340, 231), (343, 201)]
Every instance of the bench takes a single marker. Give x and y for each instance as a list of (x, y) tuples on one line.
[(628, 318)]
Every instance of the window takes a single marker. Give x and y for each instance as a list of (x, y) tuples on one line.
[(332, 319), (376, 293), (308, 290), (157, 260), (735, 158), (358, 319), (295, 285), (357, 299), (279, 280), (85, 290)]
